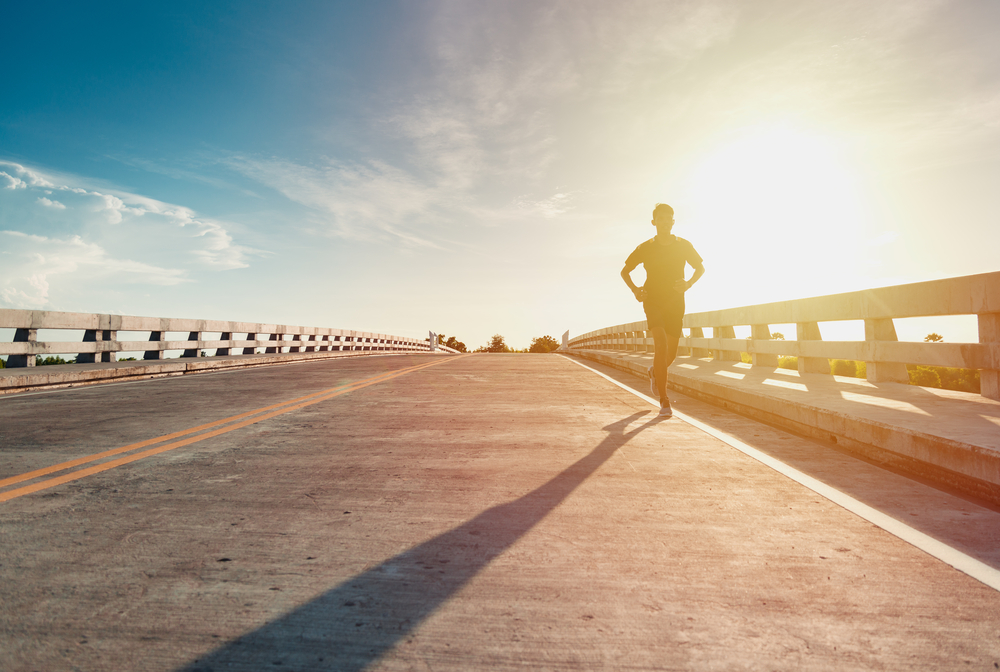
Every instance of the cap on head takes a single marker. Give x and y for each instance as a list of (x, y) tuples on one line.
[(663, 210)]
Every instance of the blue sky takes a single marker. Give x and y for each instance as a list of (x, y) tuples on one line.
[(485, 167)]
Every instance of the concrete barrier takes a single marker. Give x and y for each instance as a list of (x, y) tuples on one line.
[(885, 357), (238, 344), (950, 437)]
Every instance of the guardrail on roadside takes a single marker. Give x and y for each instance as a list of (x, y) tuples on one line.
[(100, 338), (885, 356)]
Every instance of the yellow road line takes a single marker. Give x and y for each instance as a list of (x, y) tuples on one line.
[(313, 398), (141, 444)]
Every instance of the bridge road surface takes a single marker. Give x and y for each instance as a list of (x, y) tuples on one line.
[(490, 512)]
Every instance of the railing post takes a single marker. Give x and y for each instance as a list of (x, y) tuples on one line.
[(154, 337), (761, 332), (883, 329), (989, 333), (21, 361), (224, 336), (725, 355), (192, 336), (697, 353), (252, 336), (682, 350), (809, 331), (97, 336)]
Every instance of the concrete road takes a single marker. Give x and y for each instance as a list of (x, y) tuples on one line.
[(482, 512)]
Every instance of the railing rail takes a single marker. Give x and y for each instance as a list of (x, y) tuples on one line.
[(100, 339), (885, 356)]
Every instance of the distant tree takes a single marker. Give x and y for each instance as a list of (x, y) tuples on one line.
[(496, 344), (47, 361), (777, 336), (456, 344), (933, 338), (452, 343), (844, 367), (924, 376), (543, 344)]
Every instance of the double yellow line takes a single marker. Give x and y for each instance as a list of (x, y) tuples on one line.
[(221, 427)]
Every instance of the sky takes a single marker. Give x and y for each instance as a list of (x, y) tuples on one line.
[(475, 168)]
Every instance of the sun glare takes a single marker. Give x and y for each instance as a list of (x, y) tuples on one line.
[(778, 189), (778, 181)]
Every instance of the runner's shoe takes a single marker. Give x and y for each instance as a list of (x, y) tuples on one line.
[(652, 383), (665, 410)]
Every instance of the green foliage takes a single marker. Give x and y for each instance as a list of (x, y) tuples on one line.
[(452, 343), (933, 338), (496, 344), (746, 358), (844, 367), (47, 361), (543, 344), (788, 363), (945, 377), (777, 336), (126, 359), (924, 376), (3, 363)]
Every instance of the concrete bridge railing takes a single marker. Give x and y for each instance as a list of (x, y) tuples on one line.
[(885, 356), (100, 342)]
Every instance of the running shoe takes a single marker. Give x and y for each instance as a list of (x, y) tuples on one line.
[(665, 410), (652, 383)]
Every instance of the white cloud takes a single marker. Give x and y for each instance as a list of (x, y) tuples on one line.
[(479, 123), (550, 207), (34, 263), (33, 178), (51, 204), (374, 201), (12, 182), (178, 230)]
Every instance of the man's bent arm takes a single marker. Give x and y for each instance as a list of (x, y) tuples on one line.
[(699, 271), (627, 277)]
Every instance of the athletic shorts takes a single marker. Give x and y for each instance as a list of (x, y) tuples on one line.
[(667, 315)]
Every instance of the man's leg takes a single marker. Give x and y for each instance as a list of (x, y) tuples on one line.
[(663, 356), (660, 353)]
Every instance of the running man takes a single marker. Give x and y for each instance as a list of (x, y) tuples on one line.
[(664, 258)]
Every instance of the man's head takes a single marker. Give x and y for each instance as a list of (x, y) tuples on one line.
[(663, 218)]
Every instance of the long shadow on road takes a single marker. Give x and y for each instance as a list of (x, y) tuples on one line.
[(356, 622)]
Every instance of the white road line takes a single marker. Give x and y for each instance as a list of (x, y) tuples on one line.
[(960, 561)]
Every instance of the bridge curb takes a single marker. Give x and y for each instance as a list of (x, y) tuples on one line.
[(969, 468), (62, 376)]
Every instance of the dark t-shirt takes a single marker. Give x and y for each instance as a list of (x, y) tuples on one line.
[(664, 266)]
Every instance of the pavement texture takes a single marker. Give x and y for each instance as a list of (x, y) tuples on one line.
[(479, 512), (59, 376), (950, 437)]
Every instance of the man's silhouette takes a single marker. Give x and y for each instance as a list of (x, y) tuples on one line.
[(664, 258)]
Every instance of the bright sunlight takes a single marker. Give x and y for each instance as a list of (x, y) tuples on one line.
[(771, 194), (778, 181)]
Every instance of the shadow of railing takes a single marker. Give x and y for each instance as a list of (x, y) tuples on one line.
[(355, 623)]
